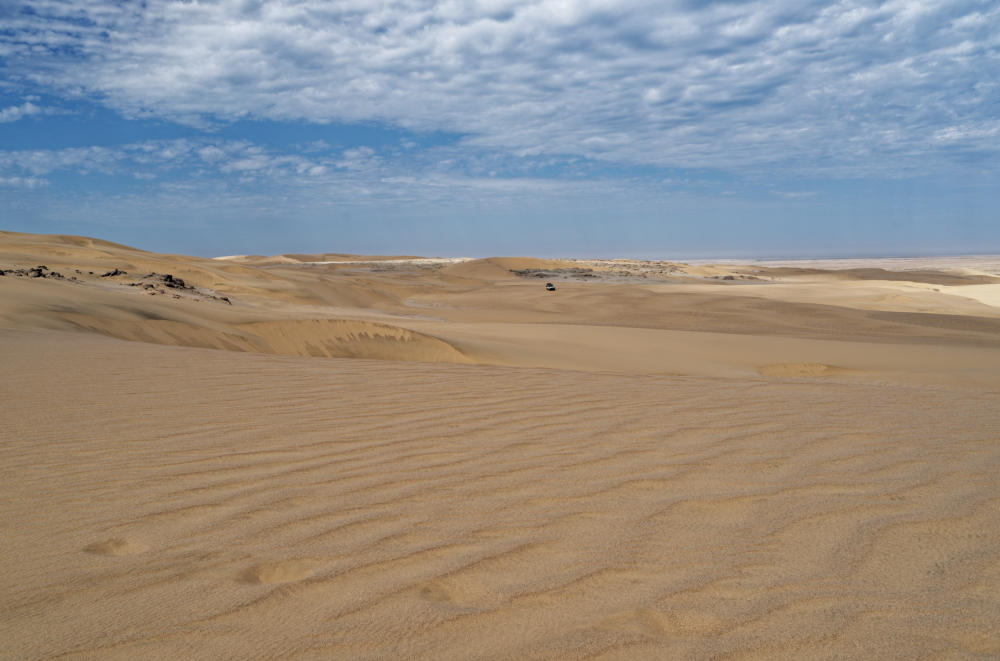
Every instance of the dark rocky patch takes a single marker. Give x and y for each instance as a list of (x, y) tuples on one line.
[(569, 273), (168, 280), (40, 271), (159, 283), (151, 283)]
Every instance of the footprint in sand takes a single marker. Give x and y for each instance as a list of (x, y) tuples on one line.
[(435, 592), (654, 623), (285, 571), (456, 592), (117, 546)]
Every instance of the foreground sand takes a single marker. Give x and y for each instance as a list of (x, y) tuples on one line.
[(819, 482), (165, 502)]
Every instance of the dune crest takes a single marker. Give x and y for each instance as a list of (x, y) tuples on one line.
[(339, 338), (320, 338)]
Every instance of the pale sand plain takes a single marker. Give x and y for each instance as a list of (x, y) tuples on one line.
[(334, 457)]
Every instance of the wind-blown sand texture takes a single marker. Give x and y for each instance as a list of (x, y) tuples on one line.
[(651, 462)]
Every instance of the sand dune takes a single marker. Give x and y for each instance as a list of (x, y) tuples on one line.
[(494, 311), (919, 325), (272, 457)]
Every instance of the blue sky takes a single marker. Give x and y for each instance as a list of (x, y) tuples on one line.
[(665, 129)]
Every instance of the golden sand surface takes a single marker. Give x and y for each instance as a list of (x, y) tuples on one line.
[(337, 457)]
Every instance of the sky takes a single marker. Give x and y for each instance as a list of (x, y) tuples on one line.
[(589, 128)]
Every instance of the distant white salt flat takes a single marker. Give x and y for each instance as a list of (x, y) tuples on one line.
[(985, 294), (416, 261), (387, 260), (977, 263)]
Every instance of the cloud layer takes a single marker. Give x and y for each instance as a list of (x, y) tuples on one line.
[(487, 126), (848, 89)]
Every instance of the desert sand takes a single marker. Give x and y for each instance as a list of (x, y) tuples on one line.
[(333, 456)]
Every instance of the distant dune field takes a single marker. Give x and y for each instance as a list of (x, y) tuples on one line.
[(344, 457)]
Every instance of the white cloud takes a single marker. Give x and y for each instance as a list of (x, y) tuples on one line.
[(207, 169), (805, 84), (358, 158), (183, 158), (24, 182), (43, 161), (14, 113), (211, 154), (972, 132), (252, 163)]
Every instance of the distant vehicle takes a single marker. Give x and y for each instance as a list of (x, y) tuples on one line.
[(549, 286)]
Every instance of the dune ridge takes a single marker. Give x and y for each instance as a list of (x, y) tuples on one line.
[(339, 338)]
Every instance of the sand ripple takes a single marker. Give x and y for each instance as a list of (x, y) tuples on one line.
[(294, 508)]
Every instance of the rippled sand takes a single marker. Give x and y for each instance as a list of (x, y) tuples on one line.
[(163, 501)]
